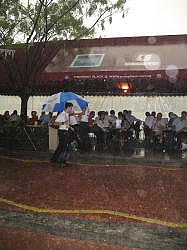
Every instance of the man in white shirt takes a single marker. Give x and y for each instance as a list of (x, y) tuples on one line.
[(134, 122), (112, 119), (131, 118), (63, 121), (45, 118), (74, 135), (100, 132), (158, 124), (85, 144), (149, 120), (158, 127), (179, 125), (148, 124)]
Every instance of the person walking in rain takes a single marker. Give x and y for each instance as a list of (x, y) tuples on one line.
[(61, 153)]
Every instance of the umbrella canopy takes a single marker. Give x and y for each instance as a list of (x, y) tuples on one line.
[(56, 102)]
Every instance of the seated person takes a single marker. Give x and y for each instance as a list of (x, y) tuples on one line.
[(45, 118), (6, 116), (91, 119), (106, 121), (118, 135), (74, 134), (172, 116), (101, 129), (34, 118), (127, 131), (112, 119), (85, 144), (123, 128), (119, 120), (148, 124), (159, 125), (134, 122), (180, 127), (14, 116), (169, 133)]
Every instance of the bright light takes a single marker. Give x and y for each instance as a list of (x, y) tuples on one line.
[(124, 86), (125, 90)]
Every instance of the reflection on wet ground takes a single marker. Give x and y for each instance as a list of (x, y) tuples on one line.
[(166, 155), (133, 153)]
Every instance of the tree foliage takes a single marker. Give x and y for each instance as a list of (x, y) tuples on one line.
[(40, 20), (10, 16)]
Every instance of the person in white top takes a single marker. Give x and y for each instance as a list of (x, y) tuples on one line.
[(119, 121), (148, 124), (106, 121), (158, 124), (102, 121), (14, 116), (84, 115), (45, 118), (149, 120), (100, 132), (74, 135), (61, 153), (85, 144), (73, 120), (131, 118), (112, 118), (179, 125)]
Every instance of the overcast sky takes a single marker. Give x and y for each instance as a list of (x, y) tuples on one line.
[(149, 17)]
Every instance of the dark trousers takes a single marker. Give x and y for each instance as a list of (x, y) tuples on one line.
[(61, 151), (100, 135), (74, 135), (148, 134), (85, 144)]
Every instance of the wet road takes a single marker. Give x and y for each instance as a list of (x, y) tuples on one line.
[(145, 199)]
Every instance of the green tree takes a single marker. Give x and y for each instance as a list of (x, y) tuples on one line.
[(10, 17), (38, 22)]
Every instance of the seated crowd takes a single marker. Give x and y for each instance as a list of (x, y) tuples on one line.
[(42, 120), (165, 131), (106, 129)]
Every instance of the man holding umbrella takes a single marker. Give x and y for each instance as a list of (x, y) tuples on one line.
[(62, 120)]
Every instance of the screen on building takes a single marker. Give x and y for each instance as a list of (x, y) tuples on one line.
[(87, 60)]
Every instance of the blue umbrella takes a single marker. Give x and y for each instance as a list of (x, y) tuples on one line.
[(56, 102)]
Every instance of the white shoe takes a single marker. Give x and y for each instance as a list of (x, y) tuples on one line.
[(183, 146)]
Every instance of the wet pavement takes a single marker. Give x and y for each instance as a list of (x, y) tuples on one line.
[(139, 155), (111, 233), (132, 153), (130, 199)]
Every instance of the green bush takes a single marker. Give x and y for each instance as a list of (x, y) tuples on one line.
[(12, 135)]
